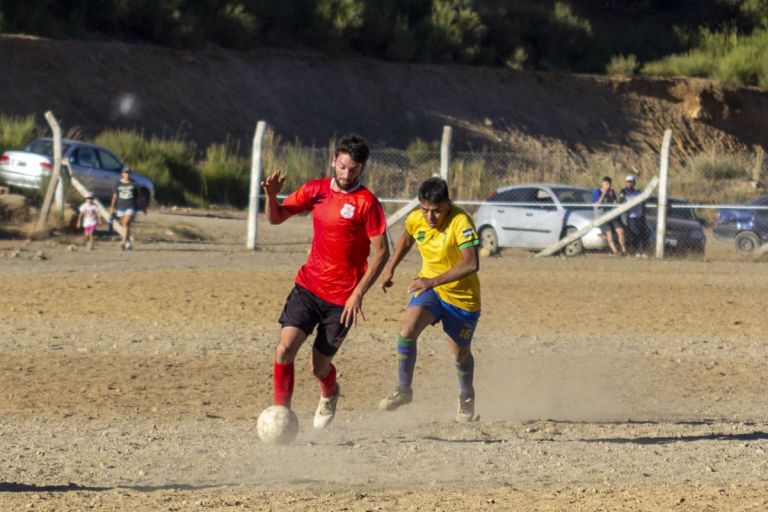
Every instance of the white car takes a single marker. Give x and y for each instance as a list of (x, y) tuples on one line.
[(536, 216), (94, 166)]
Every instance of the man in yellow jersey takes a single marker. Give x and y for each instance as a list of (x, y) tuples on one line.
[(446, 290)]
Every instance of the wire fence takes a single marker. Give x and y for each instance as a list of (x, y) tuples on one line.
[(716, 196)]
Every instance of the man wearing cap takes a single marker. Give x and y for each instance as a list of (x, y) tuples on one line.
[(636, 225)]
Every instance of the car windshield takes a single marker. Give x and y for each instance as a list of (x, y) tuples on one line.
[(44, 147), (574, 198)]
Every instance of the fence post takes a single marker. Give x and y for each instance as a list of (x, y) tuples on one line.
[(661, 214), (445, 154), (253, 201), (54, 181)]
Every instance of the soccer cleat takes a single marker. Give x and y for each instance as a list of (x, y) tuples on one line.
[(326, 410), (466, 412), (395, 399), (128, 246)]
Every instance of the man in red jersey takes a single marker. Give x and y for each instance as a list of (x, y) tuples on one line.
[(346, 219)]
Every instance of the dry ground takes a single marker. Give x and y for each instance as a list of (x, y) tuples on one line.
[(133, 381)]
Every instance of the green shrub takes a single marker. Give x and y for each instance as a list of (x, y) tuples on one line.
[(339, 19), (15, 131), (456, 30), (622, 66), (726, 56), (517, 59), (225, 176)]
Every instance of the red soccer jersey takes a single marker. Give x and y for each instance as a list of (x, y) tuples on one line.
[(343, 224)]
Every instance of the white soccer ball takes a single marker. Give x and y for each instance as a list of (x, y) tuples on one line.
[(277, 424)]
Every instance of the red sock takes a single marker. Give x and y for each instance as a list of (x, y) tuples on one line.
[(283, 384), (328, 384)]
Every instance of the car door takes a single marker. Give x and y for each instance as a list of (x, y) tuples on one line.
[(109, 173), (84, 163), (541, 221), (506, 215)]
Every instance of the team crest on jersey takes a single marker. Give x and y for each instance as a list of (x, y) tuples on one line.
[(467, 233), (347, 211), (420, 236)]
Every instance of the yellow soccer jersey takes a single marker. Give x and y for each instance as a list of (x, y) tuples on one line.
[(441, 250)]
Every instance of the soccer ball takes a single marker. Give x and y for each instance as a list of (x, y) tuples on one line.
[(277, 424)]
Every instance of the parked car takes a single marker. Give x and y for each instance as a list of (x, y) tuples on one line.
[(748, 228), (684, 233), (535, 216), (97, 168)]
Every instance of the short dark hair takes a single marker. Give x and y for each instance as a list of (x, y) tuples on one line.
[(434, 191), (607, 179), (354, 146)]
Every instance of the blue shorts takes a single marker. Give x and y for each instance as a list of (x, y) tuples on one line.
[(123, 213), (459, 324)]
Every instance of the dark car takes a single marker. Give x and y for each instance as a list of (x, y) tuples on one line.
[(747, 227), (684, 233)]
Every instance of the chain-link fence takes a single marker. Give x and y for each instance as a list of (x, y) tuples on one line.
[(711, 195)]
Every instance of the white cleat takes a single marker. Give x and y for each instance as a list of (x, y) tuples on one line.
[(326, 410)]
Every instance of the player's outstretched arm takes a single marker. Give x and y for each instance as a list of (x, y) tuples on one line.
[(354, 306), (404, 244), (469, 264), (272, 186)]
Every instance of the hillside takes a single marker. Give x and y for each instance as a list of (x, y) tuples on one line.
[(214, 94)]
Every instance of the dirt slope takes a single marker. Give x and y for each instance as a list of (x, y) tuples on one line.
[(212, 94)]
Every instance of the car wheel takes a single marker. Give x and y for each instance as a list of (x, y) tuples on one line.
[(574, 248), (489, 240), (746, 242)]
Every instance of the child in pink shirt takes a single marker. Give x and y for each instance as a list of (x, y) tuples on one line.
[(88, 219)]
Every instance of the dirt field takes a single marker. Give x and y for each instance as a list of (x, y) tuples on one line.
[(133, 380)]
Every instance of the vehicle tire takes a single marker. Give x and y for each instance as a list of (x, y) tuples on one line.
[(489, 240), (574, 248), (746, 242)]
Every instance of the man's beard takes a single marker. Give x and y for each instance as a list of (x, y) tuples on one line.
[(347, 187)]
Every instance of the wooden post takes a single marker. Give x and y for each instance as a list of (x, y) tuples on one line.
[(54, 181), (255, 191), (661, 214), (445, 154), (59, 195)]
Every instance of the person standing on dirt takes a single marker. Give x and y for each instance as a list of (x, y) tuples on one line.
[(605, 195), (88, 219), (328, 294), (637, 229), (126, 201), (447, 290)]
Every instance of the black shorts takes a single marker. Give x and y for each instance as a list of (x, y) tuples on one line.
[(612, 224), (305, 310)]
